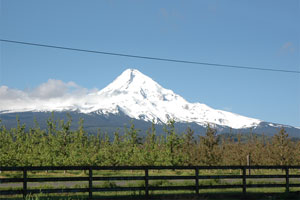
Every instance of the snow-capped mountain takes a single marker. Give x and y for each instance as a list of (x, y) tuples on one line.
[(138, 97)]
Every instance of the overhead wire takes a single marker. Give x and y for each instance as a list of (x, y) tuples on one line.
[(150, 58)]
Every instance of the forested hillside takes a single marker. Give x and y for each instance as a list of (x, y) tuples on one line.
[(60, 145)]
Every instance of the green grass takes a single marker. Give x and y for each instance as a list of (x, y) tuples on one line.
[(227, 194), (256, 193)]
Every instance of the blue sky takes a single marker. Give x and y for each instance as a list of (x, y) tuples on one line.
[(251, 33)]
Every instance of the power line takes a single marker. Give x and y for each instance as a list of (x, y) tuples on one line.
[(149, 58)]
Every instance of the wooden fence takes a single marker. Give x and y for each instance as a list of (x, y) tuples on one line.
[(146, 178)]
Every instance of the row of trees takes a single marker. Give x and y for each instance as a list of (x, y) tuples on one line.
[(59, 145)]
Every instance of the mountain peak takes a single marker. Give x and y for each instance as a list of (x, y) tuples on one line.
[(131, 80), (129, 74), (132, 71)]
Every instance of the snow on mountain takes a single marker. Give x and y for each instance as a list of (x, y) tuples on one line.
[(139, 97)]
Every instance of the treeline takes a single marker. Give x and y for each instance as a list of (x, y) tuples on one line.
[(59, 145)]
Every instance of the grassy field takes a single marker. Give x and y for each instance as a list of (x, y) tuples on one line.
[(224, 195), (252, 193)]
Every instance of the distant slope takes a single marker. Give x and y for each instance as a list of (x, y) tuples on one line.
[(110, 123)]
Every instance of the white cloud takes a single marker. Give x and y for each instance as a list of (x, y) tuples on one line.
[(52, 94), (7, 93), (51, 89)]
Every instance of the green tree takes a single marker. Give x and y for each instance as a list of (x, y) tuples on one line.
[(210, 153), (173, 143), (149, 152), (189, 148), (282, 149)]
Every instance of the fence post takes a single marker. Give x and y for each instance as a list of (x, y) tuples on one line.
[(146, 182), (249, 163), (244, 180), (287, 181), (24, 182), (90, 183), (197, 180)]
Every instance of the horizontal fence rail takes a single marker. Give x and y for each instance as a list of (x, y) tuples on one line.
[(146, 178)]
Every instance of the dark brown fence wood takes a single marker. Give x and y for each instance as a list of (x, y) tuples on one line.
[(287, 181), (146, 182), (90, 182), (244, 180), (24, 182), (197, 180), (196, 187)]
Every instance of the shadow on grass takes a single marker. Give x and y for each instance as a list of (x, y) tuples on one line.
[(208, 196)]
